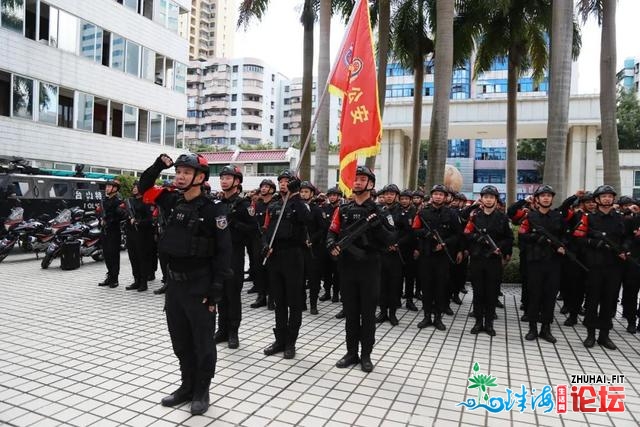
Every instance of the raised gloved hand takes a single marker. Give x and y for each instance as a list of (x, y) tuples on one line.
[(164, 161)]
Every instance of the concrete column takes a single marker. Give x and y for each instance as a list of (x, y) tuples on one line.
[(391, 159), (575, 166), (590, 158)]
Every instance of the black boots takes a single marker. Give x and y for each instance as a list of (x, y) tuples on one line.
[(488, 326), (456, 299), (200, 402), (478, 327), (109, 281), (347, 360), (365, 363), (392, 317), (340, 314), (425, 322), (278, 345), (162, 289), (314, 309), (232, 337), (591, 338), (571, 320), (261, 301), (326, 296), (605, 341), (220, 336), (382, 316), (533, 332), (545, 333), (411, 306), (183, 394), (631, 326), (437, 322)]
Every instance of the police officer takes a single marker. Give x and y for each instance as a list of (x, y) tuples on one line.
[(243, 228), (392, 263), (140, 243), (490, 241), (331, 279), (260, 276), (360, 266), (317, 233), (197, 243), (407, 244), (544, 262), (603, 235), (631, 272), (286, 262), (162, 216), (434, 254), (458, 271), (112, 213)]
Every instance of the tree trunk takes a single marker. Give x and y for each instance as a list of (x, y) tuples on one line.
[(438, 134), (412, 179), (307, 87), (322, 144), (512, 129), (559, 91), (610, 155), (384, 22)]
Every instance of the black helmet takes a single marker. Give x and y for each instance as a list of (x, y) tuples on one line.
[(232, 170), (195, 161), (268, 182), (587, 196), (334, 190), (439, 187), (626, 200), (461, 196), (308, 185), (604, 189), (544, 189), (490, 189), (136, 182), (77, 214), (390, 188), (406, 193), (287, 173), (363, 170), (114, 182), (418, 193)]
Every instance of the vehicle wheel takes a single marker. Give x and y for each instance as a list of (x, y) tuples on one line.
[(3, 256), (46, 261), (98, 257)]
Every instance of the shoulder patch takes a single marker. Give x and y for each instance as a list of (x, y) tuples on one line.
[(390, 219), (251, 210), (221, 222)]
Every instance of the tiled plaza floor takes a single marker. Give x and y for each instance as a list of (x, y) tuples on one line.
[(72, 353)]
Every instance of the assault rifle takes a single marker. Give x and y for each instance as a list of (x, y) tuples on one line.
[(351, 234), (556, 243), (436, 235), (487, 239), (131, 213), (613, 246)]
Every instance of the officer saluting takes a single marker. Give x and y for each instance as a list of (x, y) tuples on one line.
[(197, 244), (111, 212), (359, 265)]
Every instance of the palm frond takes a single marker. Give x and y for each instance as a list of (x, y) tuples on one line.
[(251, 9), (587, 8), (538, 52)]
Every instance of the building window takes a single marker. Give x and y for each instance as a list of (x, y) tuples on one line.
[(84, 103), (155, 136), (68, 38), (489, 176), (12, 15), (181, 77), (170, 131), (159, 77), (5, 94), (48, 24), (235, 69), (31, 11), (636, 178), (48, 103), (22, 97), (170, 75), (65, 108), (234, 112), (253, 68), (132, 65), (143, 125), (91, 42), (234, 97), (117, 52), (272, 168), (233, 126), (458, 148), (101, 118), (130, 122), (148, 64)]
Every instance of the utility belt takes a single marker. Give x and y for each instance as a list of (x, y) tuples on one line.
[(188, 276)]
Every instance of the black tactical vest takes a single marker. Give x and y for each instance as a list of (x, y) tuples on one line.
[(183, 236)]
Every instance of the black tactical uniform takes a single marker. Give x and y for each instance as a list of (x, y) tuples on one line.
[(544, 265), (434, 266), (286, 266), (458, 271), (317, 228), (331, 280), (112, 213), (485, 265), (392, 263), (197, 243), (631, 275), (605, 267), (407, 244), (243, 227), (140, 241), (359, 268), (260, 275)]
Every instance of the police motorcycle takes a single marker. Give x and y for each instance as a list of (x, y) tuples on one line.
[(75, 230), (13, 227)]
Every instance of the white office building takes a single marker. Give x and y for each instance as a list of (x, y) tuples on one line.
[(98, 82)]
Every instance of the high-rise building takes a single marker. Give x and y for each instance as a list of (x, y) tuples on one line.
[(212, 29), (232, 102), (628, 76), (100, 83)]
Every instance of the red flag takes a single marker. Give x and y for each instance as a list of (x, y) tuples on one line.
[(354, 78)]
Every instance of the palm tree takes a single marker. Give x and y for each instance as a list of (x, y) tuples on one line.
[(410, 45), (565, 44), (515, 31), (324, 64), (605, 13), (438, 131)]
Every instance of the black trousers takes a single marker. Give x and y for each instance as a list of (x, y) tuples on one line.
[(111, 250), (259, 271), (330, 277), (230, 307), (360, 287), (315, 264), (458, 276), (602, 291), (575, 278), (486, 274), (409, 273), (630, 288), (434, 278), (140, 246), (390, 281), (191, 328), (524, 278), (544, 279), (286, 277)]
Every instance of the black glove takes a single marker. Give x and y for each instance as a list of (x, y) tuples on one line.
[(216, 291), (294, 185), (160, 162)]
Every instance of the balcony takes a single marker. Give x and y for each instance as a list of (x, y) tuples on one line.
[(254, 105), (252, 90), (216, 90), (251, 134), (250, 118), (219, 103)]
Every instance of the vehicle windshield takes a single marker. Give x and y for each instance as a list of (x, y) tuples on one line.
[(16, 214), (63, 217)]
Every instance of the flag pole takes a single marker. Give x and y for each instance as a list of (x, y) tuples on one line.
[(302, 152)]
